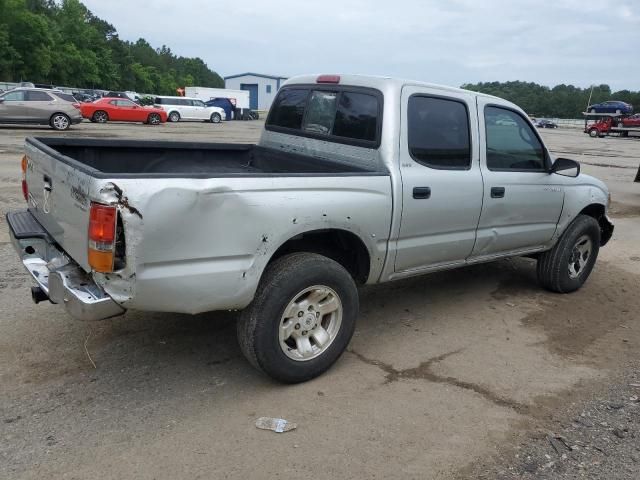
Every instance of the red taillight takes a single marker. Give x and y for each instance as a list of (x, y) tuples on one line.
[(102, 235), (25, 188), (328, 79)]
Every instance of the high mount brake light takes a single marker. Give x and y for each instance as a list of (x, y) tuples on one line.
[(102, 237), (328, 79), (25, 188)]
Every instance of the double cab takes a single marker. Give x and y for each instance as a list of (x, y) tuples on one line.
[(356, 180)]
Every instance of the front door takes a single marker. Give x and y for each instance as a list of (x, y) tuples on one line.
[(441, 179), (522, 200), (252, 88), (14, 107)]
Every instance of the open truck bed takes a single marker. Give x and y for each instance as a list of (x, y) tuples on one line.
[(135, 158)]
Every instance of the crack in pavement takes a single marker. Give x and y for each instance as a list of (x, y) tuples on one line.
[(423, 372)]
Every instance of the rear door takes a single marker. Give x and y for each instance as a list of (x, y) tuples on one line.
[(14, 107), (40, 105), (522, 200), (441, 179)]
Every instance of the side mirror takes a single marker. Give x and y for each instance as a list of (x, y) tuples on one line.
[(566, 167)]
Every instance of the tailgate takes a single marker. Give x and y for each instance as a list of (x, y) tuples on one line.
[(59, 199)]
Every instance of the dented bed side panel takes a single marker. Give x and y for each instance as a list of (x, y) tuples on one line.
[(201, 245)]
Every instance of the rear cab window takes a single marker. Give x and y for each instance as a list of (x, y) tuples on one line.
[(349, 115)]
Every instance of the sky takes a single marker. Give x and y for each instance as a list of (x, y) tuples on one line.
[(451, 42)]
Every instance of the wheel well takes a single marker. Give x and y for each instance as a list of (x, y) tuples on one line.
[(596, 210), (342, 246), (173, 111)]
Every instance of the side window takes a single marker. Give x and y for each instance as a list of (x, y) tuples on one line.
[(14, 96), (113, 102), (438, 131), (36, 96), (511, 142), (66, 97), (288, 109), (268, 88)]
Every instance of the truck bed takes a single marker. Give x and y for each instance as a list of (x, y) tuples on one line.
[(157, 159)]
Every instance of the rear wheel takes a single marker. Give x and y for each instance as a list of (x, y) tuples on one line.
[(593, 133), (59, 121), (154, 119), (174, 117), (567, 265), (301, 319), (100, 116), (215, 118)]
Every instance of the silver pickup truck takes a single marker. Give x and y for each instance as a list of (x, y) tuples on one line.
[(356, 180)]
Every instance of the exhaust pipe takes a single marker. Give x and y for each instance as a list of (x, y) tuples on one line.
[(38, 295)]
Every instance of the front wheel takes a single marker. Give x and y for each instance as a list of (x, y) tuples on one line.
[(215, 118), (567, 265), (593, 133), (301, 319), (59, 121)]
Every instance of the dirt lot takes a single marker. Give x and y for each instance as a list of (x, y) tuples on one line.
[(456, 374)]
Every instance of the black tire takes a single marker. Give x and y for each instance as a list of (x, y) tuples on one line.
[(554, 265), (215, 118), (174, 117), (100, 116), (593, 133), (59, 121), (154, 119), (259, 323)]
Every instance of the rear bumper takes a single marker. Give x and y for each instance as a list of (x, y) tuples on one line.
[(57, 275)]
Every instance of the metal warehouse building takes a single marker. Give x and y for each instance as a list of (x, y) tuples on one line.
[(262, 88)]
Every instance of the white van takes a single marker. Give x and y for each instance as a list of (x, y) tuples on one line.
[(185, 108)]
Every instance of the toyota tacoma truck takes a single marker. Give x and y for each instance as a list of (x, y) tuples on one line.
[(356, 180)]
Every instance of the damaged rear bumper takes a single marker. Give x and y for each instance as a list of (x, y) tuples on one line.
[(58, 277)]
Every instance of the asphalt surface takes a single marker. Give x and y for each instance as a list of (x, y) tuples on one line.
[(460, 374)]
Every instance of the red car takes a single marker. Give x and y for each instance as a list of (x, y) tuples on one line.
[(121, 110), (632, 121)]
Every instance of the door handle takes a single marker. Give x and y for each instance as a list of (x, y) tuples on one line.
[(421, 193), (497, 192)]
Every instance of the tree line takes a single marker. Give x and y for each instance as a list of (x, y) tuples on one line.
[(561, 101), (63, 43)]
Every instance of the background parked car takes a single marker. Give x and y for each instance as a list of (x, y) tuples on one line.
[(612, 106), (184, 108), (632, 121), (39, 106), (121, 110), (545, 124)]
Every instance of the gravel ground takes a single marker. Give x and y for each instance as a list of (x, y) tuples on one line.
[(598, 438)]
